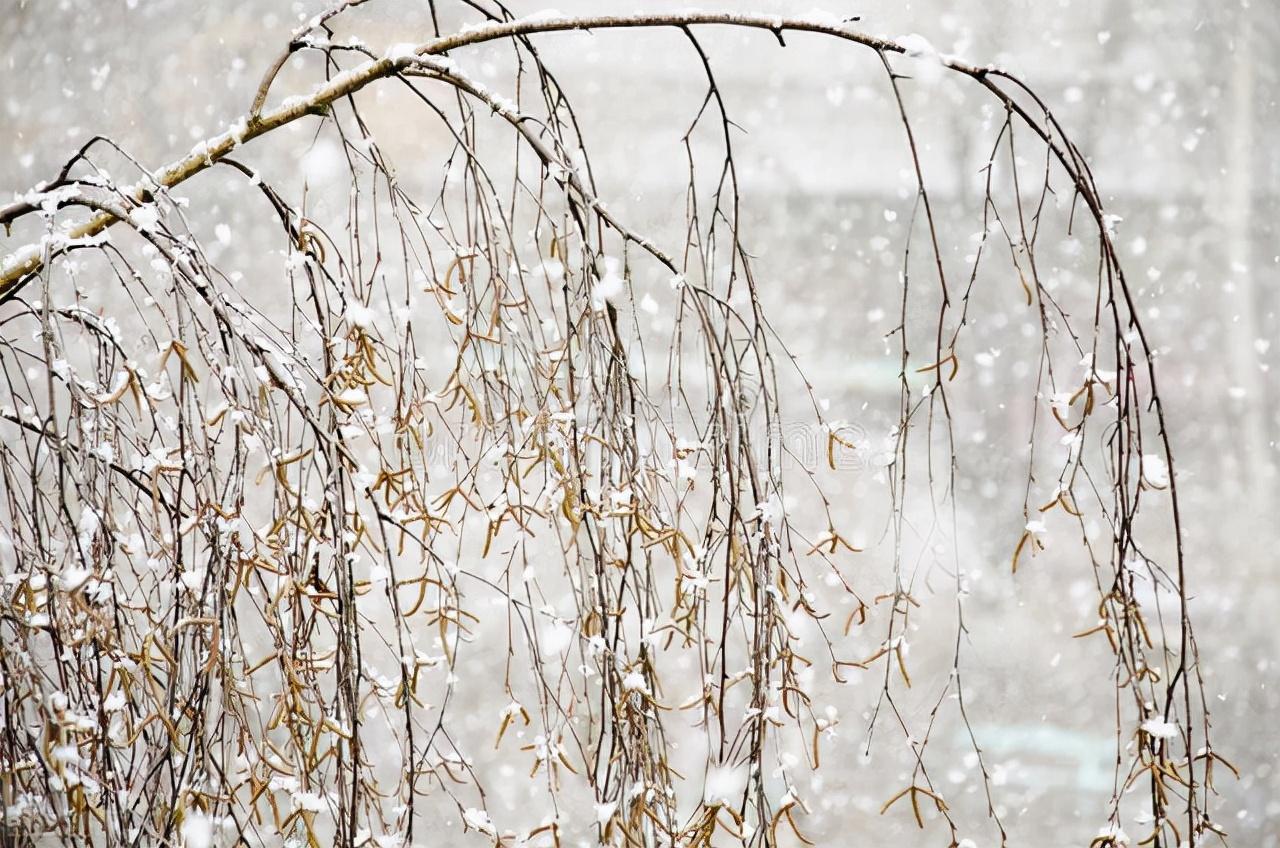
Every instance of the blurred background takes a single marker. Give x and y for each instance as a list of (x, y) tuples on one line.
[(1175, 106)]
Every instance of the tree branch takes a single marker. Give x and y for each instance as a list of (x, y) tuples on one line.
[(27, 261)]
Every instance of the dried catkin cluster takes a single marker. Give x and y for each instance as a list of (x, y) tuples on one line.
[(279, 546)]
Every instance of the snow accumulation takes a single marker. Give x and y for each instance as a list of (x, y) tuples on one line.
[(402, 52)]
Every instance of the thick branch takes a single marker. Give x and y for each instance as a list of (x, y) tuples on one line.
[(260, 99), (29, 260)]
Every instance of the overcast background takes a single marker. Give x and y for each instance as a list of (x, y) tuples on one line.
[(1175, 102)]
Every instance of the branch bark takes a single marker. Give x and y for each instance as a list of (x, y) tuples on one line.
[(29, 260)]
